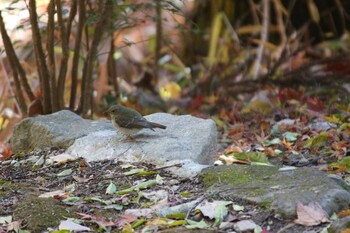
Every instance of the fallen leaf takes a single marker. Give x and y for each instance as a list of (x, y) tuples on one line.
[(5, 151), (60, 159), (311, 215), (231, 160), (81, 179), (111, 189), (344, 213), (66, 172), (72, 226), (193, 224), (214, 210), (59, 193)]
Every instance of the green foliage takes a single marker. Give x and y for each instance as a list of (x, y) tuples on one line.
[(317, 141)]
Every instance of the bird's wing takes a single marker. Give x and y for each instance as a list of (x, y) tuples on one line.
[(135, 122), (140, 122)]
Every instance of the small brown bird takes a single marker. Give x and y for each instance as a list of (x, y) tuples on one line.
[(129, 121)]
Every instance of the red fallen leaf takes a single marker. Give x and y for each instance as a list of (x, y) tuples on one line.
[(97, 219), (5, 151), (264, 230), (298, 60), (311, 215), (339, 66), (264, 127), (315, 104), (269, 151), (286, 94), (126, 218), (104, 223), (84, 216), (35, 107), (196, 102), (233, 149)]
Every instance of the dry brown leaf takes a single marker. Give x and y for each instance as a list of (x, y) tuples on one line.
[(311, 215), (343, 213)]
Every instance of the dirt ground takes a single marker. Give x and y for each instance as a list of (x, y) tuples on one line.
[(84, 197)]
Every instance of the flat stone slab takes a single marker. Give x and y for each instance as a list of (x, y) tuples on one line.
[(278, 190), (187, 139)]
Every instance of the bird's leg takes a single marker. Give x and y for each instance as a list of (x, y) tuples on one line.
[(128, 138)]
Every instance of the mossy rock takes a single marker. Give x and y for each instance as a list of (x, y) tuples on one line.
[(278, 190)]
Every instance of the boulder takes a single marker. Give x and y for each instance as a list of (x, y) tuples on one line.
[(278, 189), (187, 139)]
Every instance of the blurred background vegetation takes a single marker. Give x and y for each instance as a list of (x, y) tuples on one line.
[(205, 57)]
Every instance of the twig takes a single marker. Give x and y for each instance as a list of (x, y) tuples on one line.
[(159, 37), (165, 167), (264, 36)]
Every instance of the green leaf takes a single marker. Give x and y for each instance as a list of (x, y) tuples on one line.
[(114, 206), (138, 223), (186, 194), (237, 207), (220, 212), (159, 179), (39, 162), (128, 165), (134, 171), (143, 185), (290, 136), (5, 219), (111, 189), (105, 202), (319, 140), (274, 141), (193, 224), (252, 156), (277, 151), (344, 126), (177, 215), (66, 172), (177, 223), (71, 199), (62, 231)]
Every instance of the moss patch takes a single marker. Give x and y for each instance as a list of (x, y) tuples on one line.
[(239, 175), (41, 213)]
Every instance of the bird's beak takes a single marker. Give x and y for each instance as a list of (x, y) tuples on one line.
[(106, 113)]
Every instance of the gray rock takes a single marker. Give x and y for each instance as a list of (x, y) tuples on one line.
[(187, 139), (59, 129), (278, 190), (245, 226), (322, 126), (189, 168), (339, 225), (226, 226)]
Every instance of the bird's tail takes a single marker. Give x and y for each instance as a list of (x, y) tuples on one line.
[(155, 125)]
